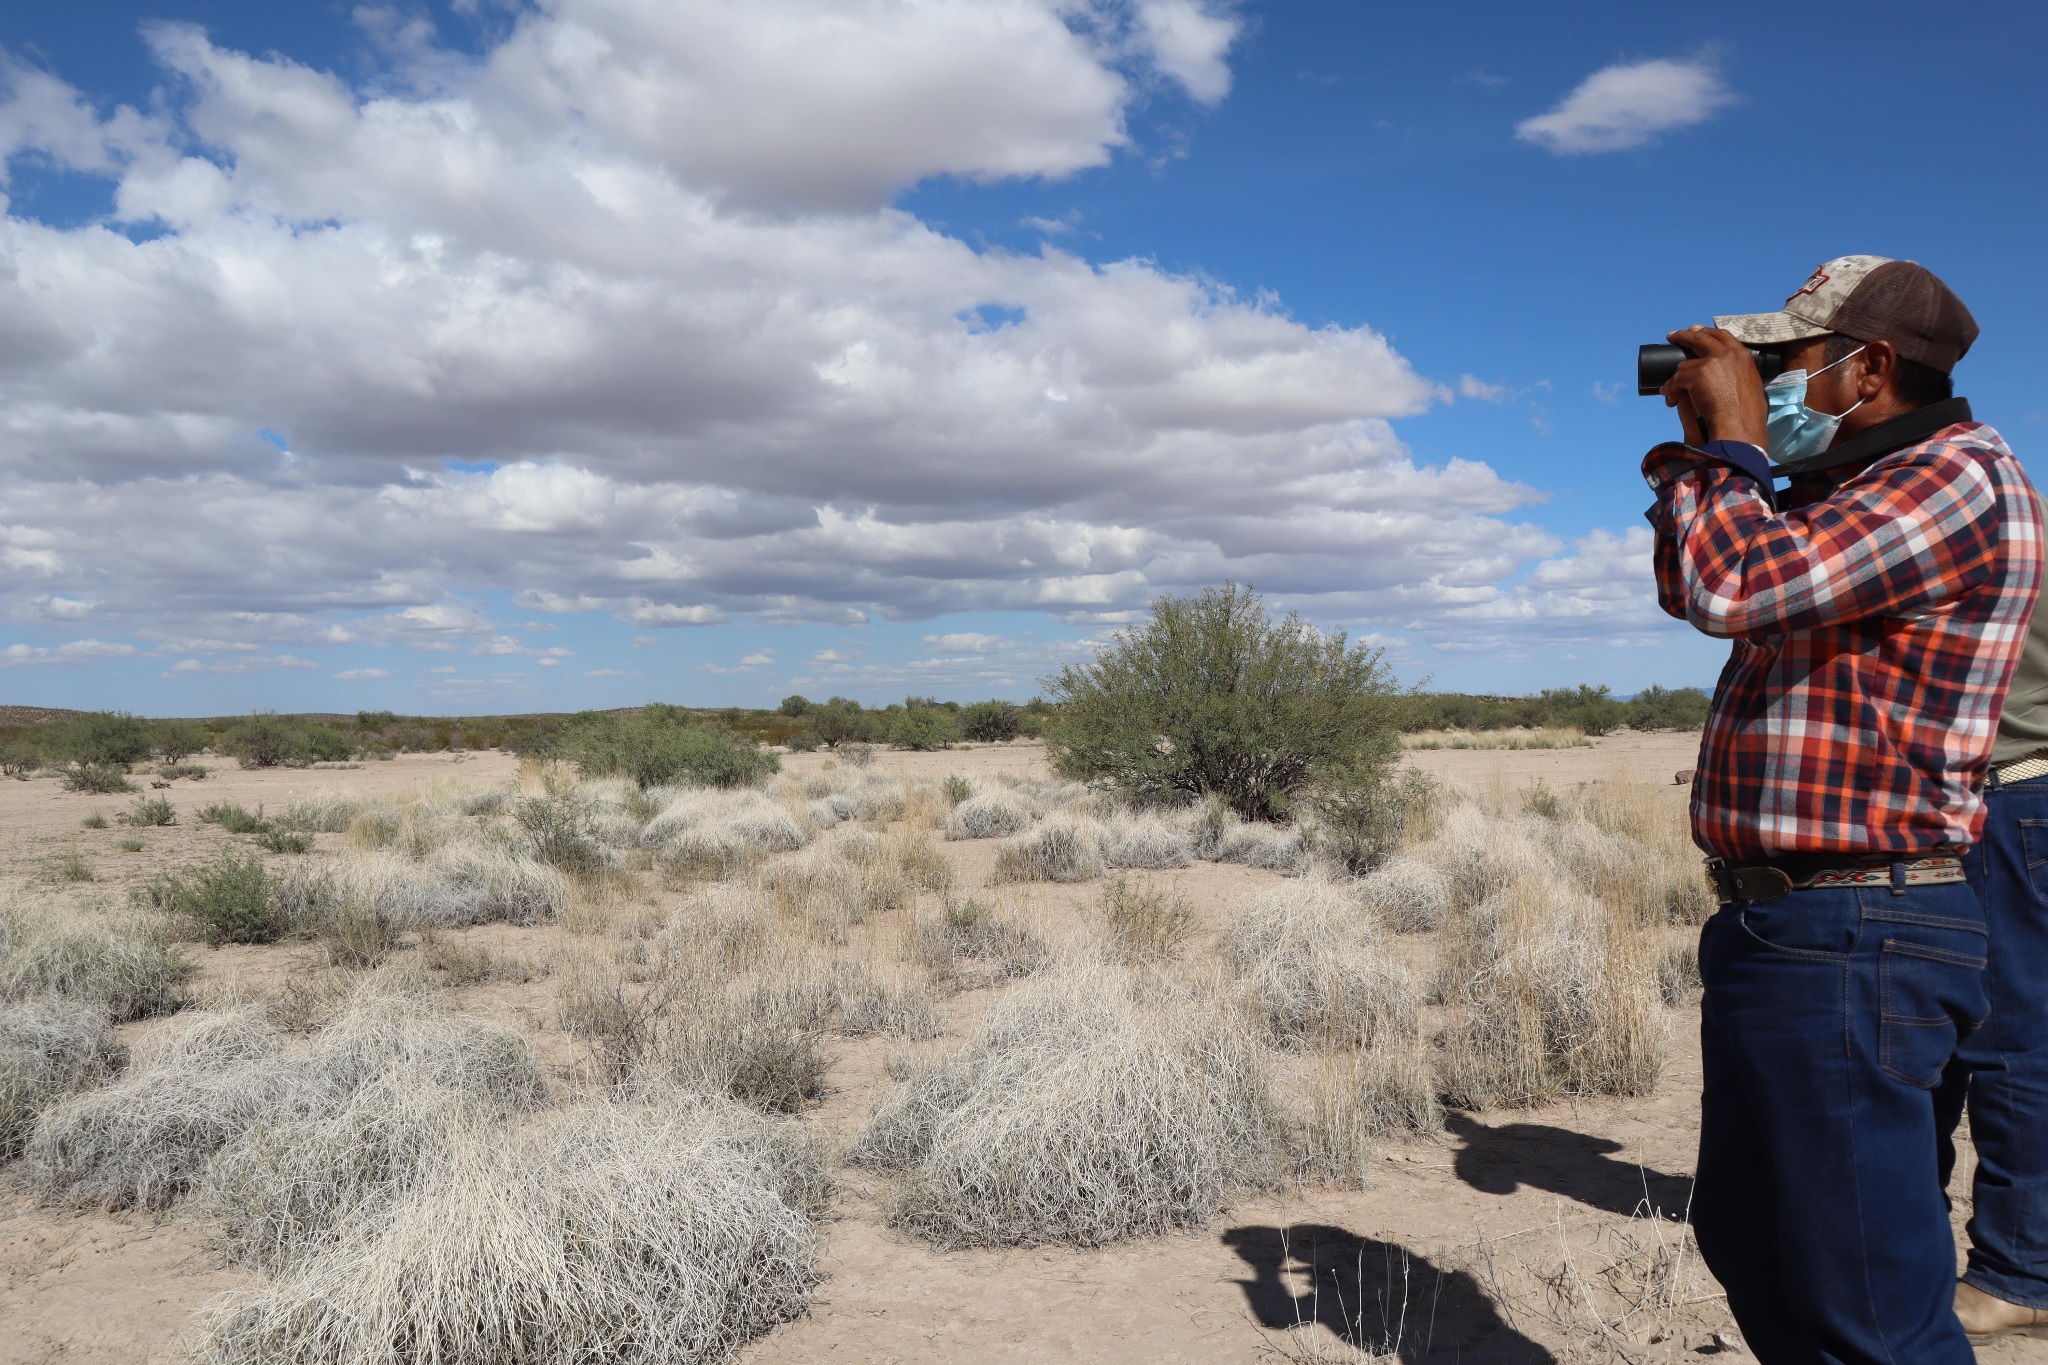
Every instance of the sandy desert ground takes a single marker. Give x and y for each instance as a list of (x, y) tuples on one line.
[(1479, 1245)]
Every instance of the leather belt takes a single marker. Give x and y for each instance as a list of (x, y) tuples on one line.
[(1767, 879)]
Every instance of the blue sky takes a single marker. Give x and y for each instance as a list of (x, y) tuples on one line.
[(400, 357)]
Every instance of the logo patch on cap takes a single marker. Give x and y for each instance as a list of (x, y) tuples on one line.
[(1813, 283)]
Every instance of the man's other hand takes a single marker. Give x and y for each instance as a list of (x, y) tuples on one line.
[(1717, 384)]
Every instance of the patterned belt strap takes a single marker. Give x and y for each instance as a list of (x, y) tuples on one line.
[(1936, 871), (2023, 770)]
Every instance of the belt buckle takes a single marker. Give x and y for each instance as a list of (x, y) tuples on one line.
[(1753, 883)]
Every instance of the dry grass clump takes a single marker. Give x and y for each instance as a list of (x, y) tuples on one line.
[(49, 1048), (1147, 840), (126, 964), (968, 942), (660, 1232), (717, 831), (283, 1188), (729, 1002), (1406, 894), (1357, 1098), (838, 795), (1063, 849), (1539, 737), (365, 898), (326, 812), (1310, 958), (1556, 993), (758, 1039), (278, 1137), (1278, 848), (1091, 1106), (1145, 921), (1481, 852), (840, 881), (990, 815), (895, 1004), (197, 1082)]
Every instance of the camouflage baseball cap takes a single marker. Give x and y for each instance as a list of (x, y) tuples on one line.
[(1870, 298)]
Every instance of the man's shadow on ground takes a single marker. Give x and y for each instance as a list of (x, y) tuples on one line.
[(1376, 1296), (1500, 1160)]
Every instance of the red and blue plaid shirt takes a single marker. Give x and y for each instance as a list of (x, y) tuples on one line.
[(1875, 630)]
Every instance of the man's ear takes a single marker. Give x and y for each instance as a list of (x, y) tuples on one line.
[(1880, 365)]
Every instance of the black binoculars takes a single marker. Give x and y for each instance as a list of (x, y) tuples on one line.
[(1656, 364)]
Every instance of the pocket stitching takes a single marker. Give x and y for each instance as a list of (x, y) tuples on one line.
[(1816, 954), (1887, 1021), (1908, 948)]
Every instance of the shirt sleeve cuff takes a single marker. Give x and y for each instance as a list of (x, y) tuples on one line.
[(1750, 459)]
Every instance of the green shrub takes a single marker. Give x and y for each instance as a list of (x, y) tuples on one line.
[(991, 722), (841, 720), (325, 744), (286, 840), (225, 901), (230, 816), (70, 866), (1213, 695), (149, 812), (558, 827), (376, 720), (173, 771), (802, 739), (1585, 707), (922, 728), (265, 739), (1362, 810), (663, 746), (94, 821), (105, 779), (795, 706), (957, 789), (21, 753), (103, 737), (1667, 708), (175, 741)]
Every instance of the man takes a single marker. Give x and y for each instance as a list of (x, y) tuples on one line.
[(2003, 1067), (1877, 609)]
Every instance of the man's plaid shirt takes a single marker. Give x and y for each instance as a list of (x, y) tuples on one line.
[(1875, 630)]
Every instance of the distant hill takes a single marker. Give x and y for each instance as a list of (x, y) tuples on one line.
[(33, 715)]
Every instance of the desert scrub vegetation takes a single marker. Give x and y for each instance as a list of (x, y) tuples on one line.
[(1092, 1105), (1518, 738), (1549, 945), (227, 900), (1214, 696), (657, 746), (50, 1047), (216, 1096), (1145, 921), (1064, 849), (669, 1229), (1310, 958), (104, 779), (124, 964), (970, 942)]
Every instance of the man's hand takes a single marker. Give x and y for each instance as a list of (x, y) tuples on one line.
[(1719, 385)]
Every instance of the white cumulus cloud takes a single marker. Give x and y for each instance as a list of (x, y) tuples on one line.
[(617, 318), (1628, 105)]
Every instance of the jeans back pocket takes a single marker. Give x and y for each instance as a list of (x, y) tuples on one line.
[(1930, 999)]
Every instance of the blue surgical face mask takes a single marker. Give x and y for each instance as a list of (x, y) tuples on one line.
[(1795, 430)]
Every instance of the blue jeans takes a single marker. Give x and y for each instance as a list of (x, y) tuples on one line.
[(1828, 1020), (2004, 1066)]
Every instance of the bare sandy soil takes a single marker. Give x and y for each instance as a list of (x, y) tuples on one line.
[(1470, 1247)]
